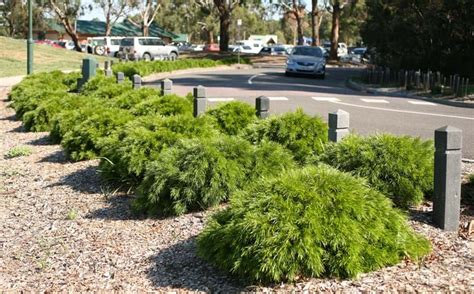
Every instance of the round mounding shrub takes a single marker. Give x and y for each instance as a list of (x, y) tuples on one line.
[(165, 105), (309, 222), (399, 167), (233, 117), (104, 87), (127, 151), (192, 175), (304, 135)]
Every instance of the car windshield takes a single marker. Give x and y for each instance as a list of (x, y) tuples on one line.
[(279, 49), (359, 51), (126, 42), (308, 51)]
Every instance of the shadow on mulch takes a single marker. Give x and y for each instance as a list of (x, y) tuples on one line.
[(43, 141), (118, 208), (85, 180), (55, 157), (19, 129), (178, 266), (421, 216), (9, 118)]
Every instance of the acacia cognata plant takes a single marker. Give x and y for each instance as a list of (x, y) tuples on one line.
[(308, 222)]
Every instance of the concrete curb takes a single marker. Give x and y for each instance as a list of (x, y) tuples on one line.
[(163, 75), (8, 82), (358, 87)]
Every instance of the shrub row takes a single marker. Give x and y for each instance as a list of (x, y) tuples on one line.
[(289, 215), (144, 68)]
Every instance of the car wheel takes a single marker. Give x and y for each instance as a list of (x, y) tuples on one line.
[(321, 76), (99, 50), (173, 56), (287, 74), (147, 56)]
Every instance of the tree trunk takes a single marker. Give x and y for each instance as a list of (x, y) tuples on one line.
[(316, 19), (224, 32), (299, 24), (336, 14), (70, 30), (145, 30), (210, 36), (108, 26)]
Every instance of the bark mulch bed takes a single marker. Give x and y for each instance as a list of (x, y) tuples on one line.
[(60, 229)]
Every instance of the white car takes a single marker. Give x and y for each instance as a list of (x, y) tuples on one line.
[(306, 60), (104, 45), (197, 48), (341, 48), (147, 48)]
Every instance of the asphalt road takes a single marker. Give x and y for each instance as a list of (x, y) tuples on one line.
[(369, 113)]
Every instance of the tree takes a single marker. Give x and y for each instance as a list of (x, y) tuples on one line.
[(67, 11), (14, 18), (147, 11), (316, 19), (113, 10), (336, 7), (225, 8)]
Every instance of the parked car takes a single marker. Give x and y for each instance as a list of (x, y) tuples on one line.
[(211, 48), (67, 44), (147, 48), (273, 50), (104, 45), (341, 48), (306, 60), (197, 48), (255, 46)]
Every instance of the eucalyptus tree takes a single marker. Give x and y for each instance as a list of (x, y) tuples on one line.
[(336, 7), (147, 11), (113, 10), (67, 12)]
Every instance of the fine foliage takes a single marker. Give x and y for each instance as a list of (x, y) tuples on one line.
[(18, 151), (127, 151), (399, 167), (309, 222), (302, 134), (192, 175), (145, 68), (166, 105), (233, 117), (104, 87)]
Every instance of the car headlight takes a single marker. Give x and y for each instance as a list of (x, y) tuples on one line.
[(290, 62)]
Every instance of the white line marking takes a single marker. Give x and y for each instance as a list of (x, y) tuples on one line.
[(404, 111), (375, 100), (421, 103), (278, 98), (220, 99), (253, 77), (330, 99)]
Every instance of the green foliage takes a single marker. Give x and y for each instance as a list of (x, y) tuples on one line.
[(191, 175), (309, 222), (145, 68), (129, 149), (101, 86), (302, 134), (399, 167), (166, 105), (233, 117), (467, 191), (129, 99), (38, 87), (81, 141), (18, 151)]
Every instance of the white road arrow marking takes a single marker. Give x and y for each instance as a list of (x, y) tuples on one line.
[(421, 103), (253, 77), (374, 100), (278, 98), (329, 99)]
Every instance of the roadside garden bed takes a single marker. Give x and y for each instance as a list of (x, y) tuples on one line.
[(92, 234)]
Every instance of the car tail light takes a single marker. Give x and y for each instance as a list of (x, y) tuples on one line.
[(108, 50)]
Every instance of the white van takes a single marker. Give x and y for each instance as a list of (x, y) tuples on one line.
[(104, 45), (341, 48), (147, 48), (255, 46)]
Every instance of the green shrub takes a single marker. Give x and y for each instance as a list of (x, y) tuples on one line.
[(269, 159), (309, 222), (104, 87), (18, 151), (302, 134), (129, 149), (166, 105), (192, 175), (233, 117), (399, 167), (129, 99), (82, 141), (467, 191)]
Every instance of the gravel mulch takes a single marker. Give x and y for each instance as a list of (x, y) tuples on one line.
[(60, 229)]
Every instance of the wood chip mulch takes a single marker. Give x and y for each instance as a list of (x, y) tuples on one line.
[(61, 230)]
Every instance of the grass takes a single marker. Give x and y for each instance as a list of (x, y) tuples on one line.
[(18, 151), (46, 58)]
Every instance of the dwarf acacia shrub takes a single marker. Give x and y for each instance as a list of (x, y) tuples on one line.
[(129, 149), (233, 117), (309, 222), (82, 140), (302, 134), (101, 86), (192, 175), (165, 105), (129, 99), (399, 167)]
